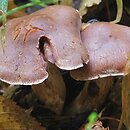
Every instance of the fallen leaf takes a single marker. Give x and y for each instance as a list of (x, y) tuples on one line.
[(66, 2), (12, 117), (87, 3)]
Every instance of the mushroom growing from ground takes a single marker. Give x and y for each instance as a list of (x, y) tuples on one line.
[(108, 46), (51, 34), (48, 35)]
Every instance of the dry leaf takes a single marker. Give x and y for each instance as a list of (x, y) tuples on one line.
[(66, 2), (87, 3), (96, 126), (126, 101), (12, 117), (20, 13)]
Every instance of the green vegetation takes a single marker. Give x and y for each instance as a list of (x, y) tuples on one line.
[(92, 119), (3, 10)]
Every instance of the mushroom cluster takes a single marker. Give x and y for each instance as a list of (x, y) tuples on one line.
[(38, 44)]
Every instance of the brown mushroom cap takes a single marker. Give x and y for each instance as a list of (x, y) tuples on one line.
[(108, 46), (21, 62), (62, 30), (51, 34)]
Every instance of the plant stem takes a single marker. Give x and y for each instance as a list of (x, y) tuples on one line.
[(119, 11), (3, 30), (22, 7)]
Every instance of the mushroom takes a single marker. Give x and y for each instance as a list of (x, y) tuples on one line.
[(109, 50), (48, 35), (51, 34), (108, 46), (63, 33)]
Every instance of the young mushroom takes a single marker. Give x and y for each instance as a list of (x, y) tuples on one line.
[(108, 46), (51, 34)]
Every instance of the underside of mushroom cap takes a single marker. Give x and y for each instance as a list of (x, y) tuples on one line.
[(31, 41), (108, 46)]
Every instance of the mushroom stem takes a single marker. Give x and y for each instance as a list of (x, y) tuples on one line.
[(92, 96), (51, 92)]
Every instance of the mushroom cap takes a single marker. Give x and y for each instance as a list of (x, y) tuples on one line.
[(64, 47), (51, 34), (21, 62), (108, 47)]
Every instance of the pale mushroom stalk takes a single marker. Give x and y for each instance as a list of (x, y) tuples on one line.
[(108, 47), (52, 91)]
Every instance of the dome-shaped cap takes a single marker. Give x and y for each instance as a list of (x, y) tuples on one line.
[(108, 46)]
